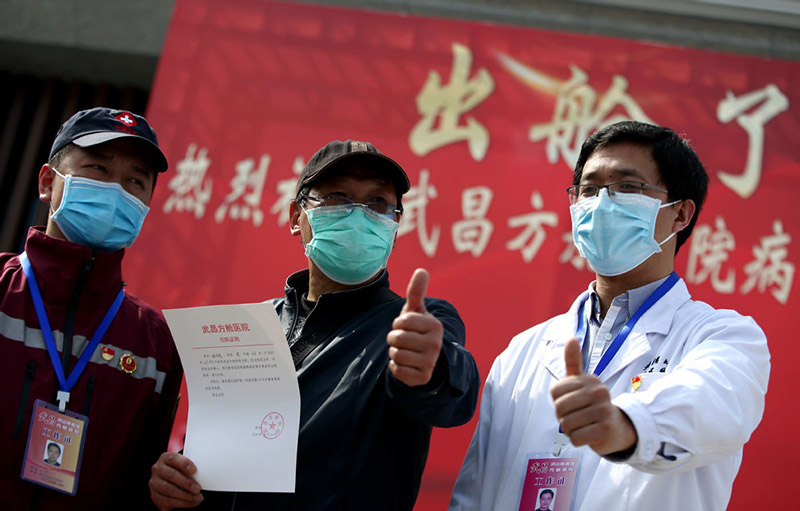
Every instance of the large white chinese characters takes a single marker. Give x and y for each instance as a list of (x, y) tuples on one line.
[(768, 271), (771, 101), (446, 103), (190, 189), (244, 201), (578, 111)]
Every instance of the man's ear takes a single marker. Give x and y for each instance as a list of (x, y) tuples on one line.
[(686, 209), (294, 218), (46, 177)]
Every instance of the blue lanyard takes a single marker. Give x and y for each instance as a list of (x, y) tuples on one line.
[(64, 383), (626, 330), (612, 350)]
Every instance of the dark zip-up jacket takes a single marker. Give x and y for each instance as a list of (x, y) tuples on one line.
[(364, 435), (130, 414)]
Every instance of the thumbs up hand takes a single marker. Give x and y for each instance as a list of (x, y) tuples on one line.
[(573, 360), (416, 339), (584, 409)]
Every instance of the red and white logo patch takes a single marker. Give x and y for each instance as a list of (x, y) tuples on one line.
[(126, 119)]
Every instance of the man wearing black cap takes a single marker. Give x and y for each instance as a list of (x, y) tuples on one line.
[(376, 371), (77, 353)]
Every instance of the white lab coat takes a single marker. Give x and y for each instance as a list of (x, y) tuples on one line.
[(701, 409)]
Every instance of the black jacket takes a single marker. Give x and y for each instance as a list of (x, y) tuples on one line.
[(363, 435)]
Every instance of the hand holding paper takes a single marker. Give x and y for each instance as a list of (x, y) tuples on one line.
[(171, 484)]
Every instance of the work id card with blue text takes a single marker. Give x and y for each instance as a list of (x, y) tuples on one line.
[(549, 483), (54, 450)]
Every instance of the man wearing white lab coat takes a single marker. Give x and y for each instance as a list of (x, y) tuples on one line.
[(654, 392)]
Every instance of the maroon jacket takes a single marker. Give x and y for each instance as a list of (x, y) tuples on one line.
[(130, 414)]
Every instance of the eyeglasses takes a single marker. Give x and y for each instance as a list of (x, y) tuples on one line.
[(381, 208), (580, 192)]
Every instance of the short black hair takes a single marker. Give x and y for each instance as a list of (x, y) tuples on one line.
[(53, 444), (678, 165), (55, 161), (548, 490)]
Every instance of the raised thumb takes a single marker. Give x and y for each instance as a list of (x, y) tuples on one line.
[(573, 360), (415, 294)]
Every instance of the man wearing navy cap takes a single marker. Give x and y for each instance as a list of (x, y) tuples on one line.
[(83, 362), (376, 372)]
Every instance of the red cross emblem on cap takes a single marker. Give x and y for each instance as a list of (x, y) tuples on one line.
[(126, 119)]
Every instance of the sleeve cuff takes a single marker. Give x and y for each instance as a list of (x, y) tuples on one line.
[(435, 385), (647, 444)]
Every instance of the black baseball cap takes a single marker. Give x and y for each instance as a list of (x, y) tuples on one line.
[(337, 151), (97, 125)]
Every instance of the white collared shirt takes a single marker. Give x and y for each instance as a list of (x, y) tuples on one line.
[(603, 330)]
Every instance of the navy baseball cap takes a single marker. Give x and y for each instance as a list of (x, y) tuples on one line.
[(97, 125), (337, 151)]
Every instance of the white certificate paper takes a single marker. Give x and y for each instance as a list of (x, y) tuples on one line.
[(244, 401)]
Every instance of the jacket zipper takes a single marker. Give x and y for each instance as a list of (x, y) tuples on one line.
[(69, 320), (294, 321), (23, 398), (87, 401)]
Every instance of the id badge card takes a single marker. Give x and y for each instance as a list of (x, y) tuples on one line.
[(54, 449), (549, 483)]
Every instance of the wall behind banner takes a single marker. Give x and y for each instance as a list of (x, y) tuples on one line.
[(487, 121)]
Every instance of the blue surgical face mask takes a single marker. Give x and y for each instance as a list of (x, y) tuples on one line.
[(98, 215), (350, 244), (616, 235)]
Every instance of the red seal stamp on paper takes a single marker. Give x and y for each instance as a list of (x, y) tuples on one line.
[(272, 425)]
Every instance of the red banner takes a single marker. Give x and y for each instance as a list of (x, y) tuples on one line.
[(487, 120)]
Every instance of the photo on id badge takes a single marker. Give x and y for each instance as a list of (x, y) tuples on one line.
[(54, 450), (549, 483)]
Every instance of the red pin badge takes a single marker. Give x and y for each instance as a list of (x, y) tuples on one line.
[(127, 363), (107, 353)]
